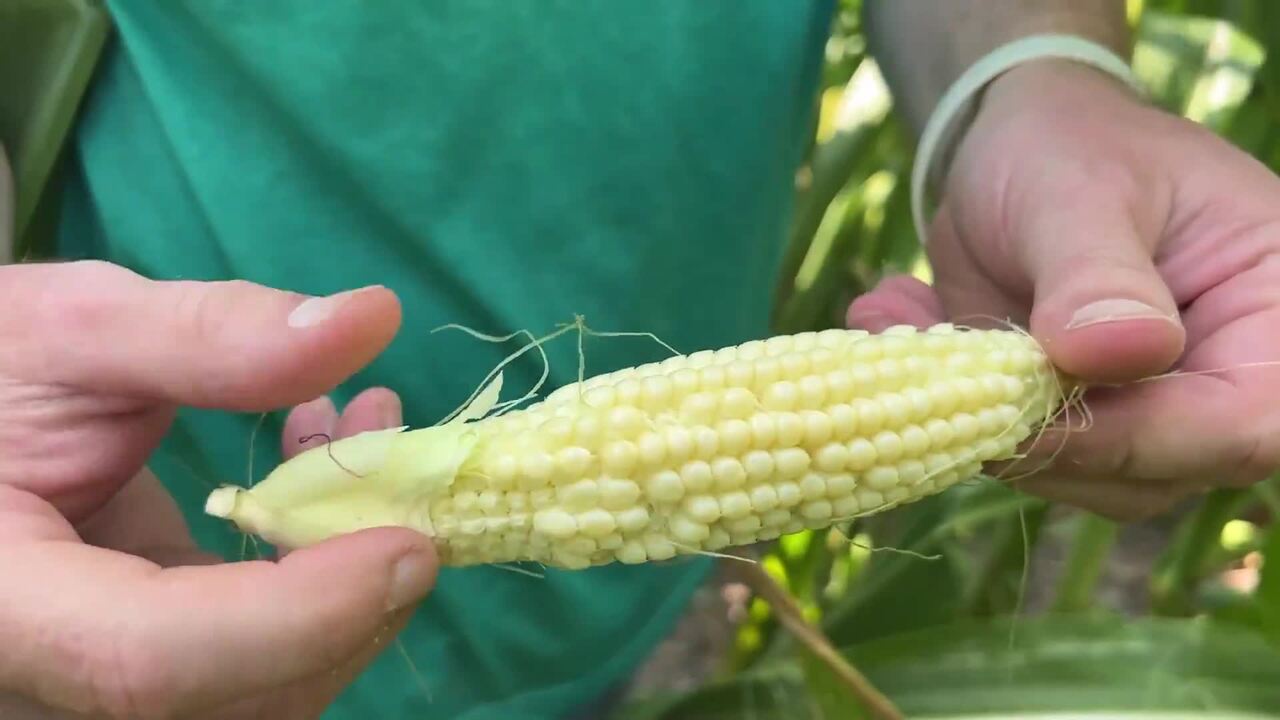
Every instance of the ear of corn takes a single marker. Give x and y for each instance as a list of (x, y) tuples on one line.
[(695, 453)]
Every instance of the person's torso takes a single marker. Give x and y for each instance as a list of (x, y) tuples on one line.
[(500, 165)]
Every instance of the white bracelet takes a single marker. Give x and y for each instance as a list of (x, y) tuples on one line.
[(942, 127)]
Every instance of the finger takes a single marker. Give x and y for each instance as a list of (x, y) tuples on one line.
[(308, 425), (373, 409), (164, 538), (1101, 308), (896, 300), (1114, 499), (232, 345), (95, 630)]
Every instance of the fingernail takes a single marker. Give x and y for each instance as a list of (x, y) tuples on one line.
[(410, 580), (1114, 310), (316, 310)]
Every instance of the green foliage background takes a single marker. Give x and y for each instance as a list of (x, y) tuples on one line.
[(943, 629)]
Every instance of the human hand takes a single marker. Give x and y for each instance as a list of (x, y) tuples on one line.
[(1129, 241), (107, 606)]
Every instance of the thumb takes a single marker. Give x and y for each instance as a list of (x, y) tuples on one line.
[(1100, 307)]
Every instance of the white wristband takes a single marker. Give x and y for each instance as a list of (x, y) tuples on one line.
[(957, 103)]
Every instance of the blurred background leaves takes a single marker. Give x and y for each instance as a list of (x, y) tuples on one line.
[(983, 602)]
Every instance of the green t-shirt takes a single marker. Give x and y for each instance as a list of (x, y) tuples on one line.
[(502, 165)]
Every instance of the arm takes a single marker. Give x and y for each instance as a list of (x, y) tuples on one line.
[(922, 46)]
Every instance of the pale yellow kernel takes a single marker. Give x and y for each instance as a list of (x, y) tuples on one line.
[(966, 428), (776, 518), (503, 471), (890, 372), (897, 494), (941, 434), (696, 475), (600, 397), (992, 388), (845, 507), (744, 525), (679, 443), (717, 538), (944, 399), (816, 510), (916, 369), (988, 449), (864, 380), (580, 495), (911, 472), (489, 502), (782, 395), (1020, 361), (881, 477), (728, 473), (813, 486), (871, 415), (596, 522), (970, 391), (687, 531), (739, 373), (555, 523), (764, 498), (791, 462), (1010, 416), (587, 428), (699, 407), (629, 391), (763, 430), (921, 404), (817, 428), (569, 560), (542, 497), (559, 430), (706, 441), (633, 519), (626, 420), (573, 461), (1013, 389), (789, 494), (735, 436), (812, 391), (701, 358), (751, 349), (995, 360), (711, 377), (655, 391), (618, 493), (822, 359), (833, 457), (839, 386), (869, 499), (897, 409), (737, 402), (620, 458), (915, 441), (862, 455), (758, 464), (666, 486), (651, 448), (838, 338), (535, 468), (865, 350), (844, 421), (888, 445), (632, 553), (790, 429), (464, 501), (937, 463), (961, 363), (767, 371), (735, 505), (517, 501), (990, 422), (684, 381), (658, 547), (702, 508), (840, 484), (779, 345)]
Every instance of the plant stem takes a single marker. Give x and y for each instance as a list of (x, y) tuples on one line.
[(1093, 540), (792, 617)]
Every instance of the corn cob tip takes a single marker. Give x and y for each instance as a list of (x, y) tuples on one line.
[(221, 503)]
